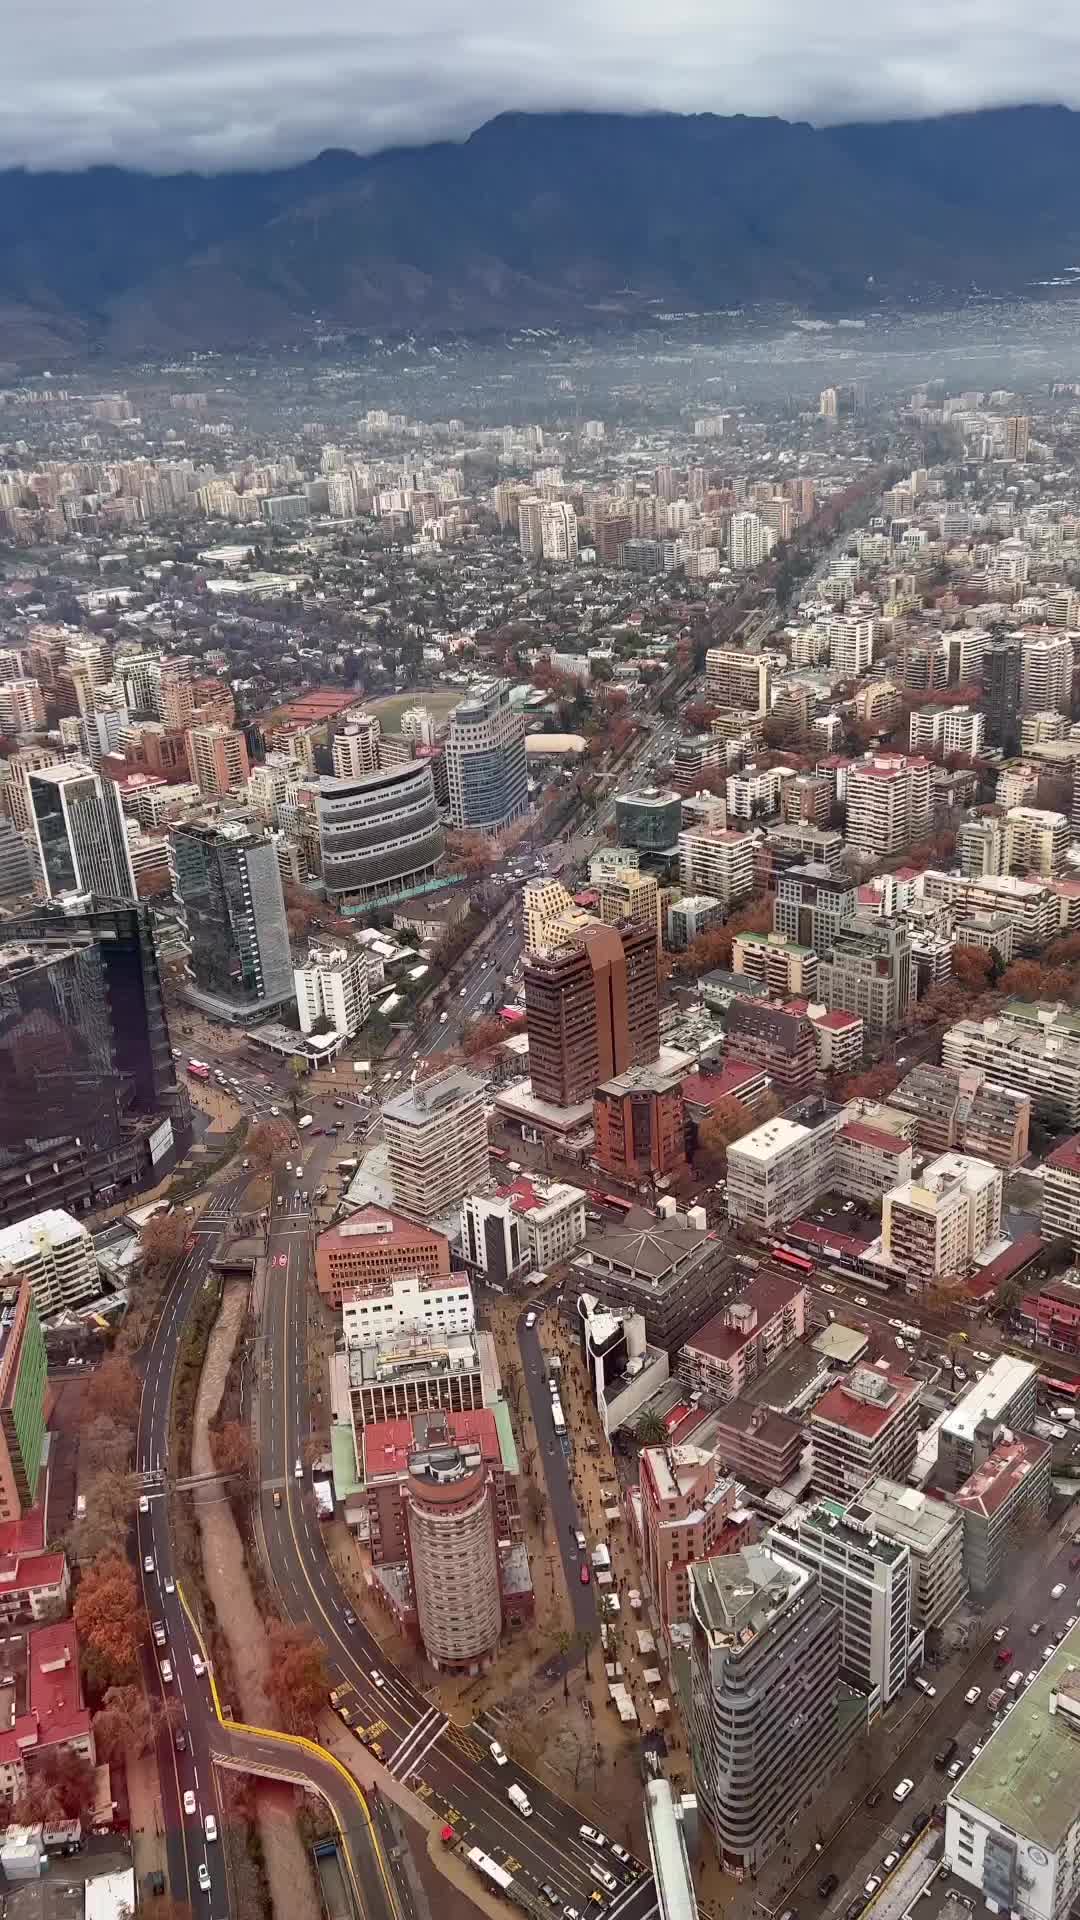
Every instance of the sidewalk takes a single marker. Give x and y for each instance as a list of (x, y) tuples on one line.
[(148, 1854)]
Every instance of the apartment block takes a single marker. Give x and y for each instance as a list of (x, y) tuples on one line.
[(935, 1226), (740, 1341), (868, 1160), (758, 1444), (946, 730), (553, 1216), (888, 803), (1036, 841), (1033, 907), (865, 1427), (217, 759), (754, 792), (781, 965), (867, 1577), (333, 992), (374, 1249), (933, 1533), (1060, 1217), (1004, 1397), (775, 1039), (54, 1254), (868, 970), (960, 1108), (437, 1143), (812, 903), (1046, 674), (719, 861), (687, 1508), (779, 1169), (736, 678), (1003, 1505), (631, 898), (1040, 1061)]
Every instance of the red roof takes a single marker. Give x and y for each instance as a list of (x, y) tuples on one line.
[(1001, 1472), (875, 1137), (836, 1021), (1067, 1156), (388, 1443), (842, 1408), (56, 1714), (704, 1089)]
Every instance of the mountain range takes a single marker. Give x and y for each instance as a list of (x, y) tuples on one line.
[(537, 219)]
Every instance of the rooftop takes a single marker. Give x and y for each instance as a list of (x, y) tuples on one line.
[(918, 1519), (1028, 1773), (428, 1098), (21, 1241), (989, 1398), (987, 1489), (867, 1401), (388, 1444), (736, 1595)]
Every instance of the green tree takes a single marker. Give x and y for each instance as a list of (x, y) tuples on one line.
[(651, 1431)]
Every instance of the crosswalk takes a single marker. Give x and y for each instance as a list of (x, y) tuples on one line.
[(418, 1742)]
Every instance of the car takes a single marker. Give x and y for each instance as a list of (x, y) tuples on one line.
[(902, 1789), (1056, 1592), (873, 1797), (827, 1287), (180, 1740), (170, 1583), (1035, 1629), (199, 1665), (1003, 1657), (550, 1894), (955, 1770), (158, 1630), (872, 1885), (166, 1672), (189, 1801), (827, 1886), (1030, 1678), (350, 1617), (593, 1835), (377, 1679), (977, 1749), (497, 1754), (905, 1840), (972, 1694), (1000, 1633), (298, 1470), (144, 1504), (210, 1827), (924, 1686), (585, 1574), (1071, 1622), (1047, 1651), (621, 1854), (571, 1913), (148, 1563), (203, 1877), (889, 1862), (605, 1878)]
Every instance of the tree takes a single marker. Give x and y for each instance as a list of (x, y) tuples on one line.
[(113, 1388), (232, 1449), (729, 1121), (108, 1618), (267, 1144), (161, 1242), (972, 967), (1029, 980), (651, 1431), (1009, 1295), (125, 1722), (943, 1003), (875, 1084), (296, 1677), (536, 1505), (565, 1643), (61, 1786), (104, 1444), (483, 1037)]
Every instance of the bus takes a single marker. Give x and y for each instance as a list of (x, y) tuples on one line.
[(198, 1070), (558, 1418), (497, 1153), (787, 1257), (489, 1869), (613, 1200), (1056, 1388)]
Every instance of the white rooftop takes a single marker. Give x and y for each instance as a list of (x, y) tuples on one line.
[(21, 1241), (988, 1397)]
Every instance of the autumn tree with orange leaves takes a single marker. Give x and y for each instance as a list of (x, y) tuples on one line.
[(108, 1618), (296, 1676)]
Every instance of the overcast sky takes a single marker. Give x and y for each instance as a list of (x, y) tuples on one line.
[(205, 84)]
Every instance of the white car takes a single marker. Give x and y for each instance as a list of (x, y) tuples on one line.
[(1056, 1592), (955, 1770), (166, 1672), (298, 1470), (377, 1679), (902, 1789), (889, 1862), (621, 1853), (170, 1583), (210, 1827), (148, 1563), (199, 1665), (827, 1287), (1000, 1634), (861, 1300), (498, 1755), (144, 1504), (204, 1877), (872, 1884), (972, 1694), (593, 1835), (189, 1801)]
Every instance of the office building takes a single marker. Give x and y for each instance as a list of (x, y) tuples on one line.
[(355, 750), (779, 1040), (865, 1427), (485, 760), (1004, 1397), (370, 1311), (218, 759), (719, 861), (79, 831), (380, 835), (1042, 1061), (664, 1267), (1003, 1505), (623, 1370), (888, 804), (867, 969), (1013, 1842), (376, 1250), (932, 1532), (736, 678), (630, 897), (493, 1238), (16, 866), (956, 1108), (450, 1526), (54, 1255), (737, 1344), (946, 730), (867, 1577), (385, 1450), (332, 992), (777, 963), (687, 1504), (91, 1105), (592, 1011), (228, 884), (1046, 674), (769, 1724), (639, 1123), (649, 821), (553, 1215), (778, 1170), (419, 1372), (437, 1144), (23, 1381), (812, 903), (934, 1227)]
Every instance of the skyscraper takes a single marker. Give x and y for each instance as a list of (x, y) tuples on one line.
[(229, 888), (79, 827), (591, 1008), (485, 760), (218, 758), (449, 1502), (379, 833), (437, 1143), (1001, 666)]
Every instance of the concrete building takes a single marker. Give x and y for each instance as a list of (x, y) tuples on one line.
[(936, 1226), (932, 1532), (736, 678), (592, 1011), (688, 918), (419, 1373), (777, 1040), (1060, 1217), (1041, 1061), (493, 1240), (332, 992), (380, 835), (888, 804), (959, 1108), (865, 1427), (558, 532), (374, 1249), (23, 1382), (628, 897), (687, 1509), (552, 1214), (867, 1577), (718, 861), (16, 866), (548, 912), (415, 1302), (665, 1268), (355, 750), (452, 1539), (437, 1143), (1004, 1397), (217, 759), (228, 883), (780, 964), (739, 1342), (79, 833), (768, 1722), (779, 1169), (650, 820), (851, 645), (757, 1444), (946, 730), (867, 969), (623, 1369), (1033, 907), (1046, 674), (384, 1448), (1003, 1505), (54, 1254), (485, 760), (1036, 841), (812, 903), (639, 1123)]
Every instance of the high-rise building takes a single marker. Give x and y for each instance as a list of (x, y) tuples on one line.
[(867, 1577), (750, 540), (811, 904), (485, 760), (946, 730), (437, 1143), (649, 821), (592, 1011), (778, 1040), (23, 1382), (22, 708), (768, 1725), (228, 884), (379, 834), (1017, 436), (218, 759), (629, 896), (16, 866), (332, 992), (79, 828), (717, 860), (355, 750), (450, 1523), (1046, 673), (639, 1123), (865, 1426), (1006, 1396), (867, 969), (54, 1255), (558, 532), (1036, 841), (1039, 1058), (686, 1506), (851, 644), (738, 679), (936, 1226), (888, 804), (1000, 673), (933, 1533)]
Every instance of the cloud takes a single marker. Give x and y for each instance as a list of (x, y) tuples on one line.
[(256, 82)]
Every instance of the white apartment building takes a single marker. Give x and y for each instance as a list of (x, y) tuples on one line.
[(888, 804), (717, 860), (851, 644), (355, 751), (946, 729), (332, 989), (434, 1305), (932, 1531), (1061, 1194), (550, 916), (1046, 674), (779, 1169), (437, 1144), (553, 1217), (1033, 908), (1036, 841), (750, 540), (754, 792), (866, 1576), (935, 1226), (558, 532), (630, 895), (418, 725), (56, 1255), (492, 1236), (738, 679), (1042, 1061), (865, 1426), (22, 707)]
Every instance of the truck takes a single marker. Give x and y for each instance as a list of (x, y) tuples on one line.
[(558, 1418), (518, 1798), (305, 1120)]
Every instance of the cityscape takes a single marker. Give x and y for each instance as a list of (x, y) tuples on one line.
[(540, 1128)]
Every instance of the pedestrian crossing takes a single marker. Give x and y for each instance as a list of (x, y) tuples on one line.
[(418, 1742)]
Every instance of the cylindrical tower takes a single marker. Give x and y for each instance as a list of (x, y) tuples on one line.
[(450, 1512)]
